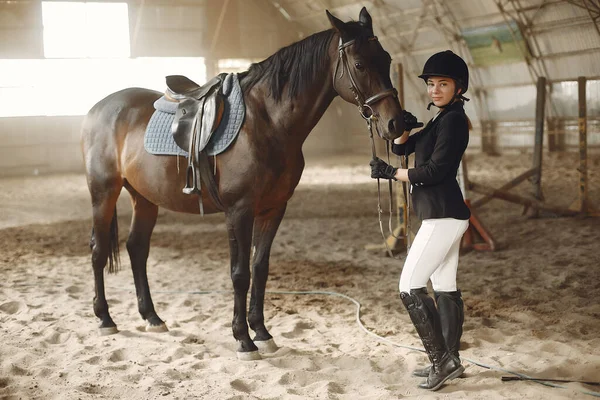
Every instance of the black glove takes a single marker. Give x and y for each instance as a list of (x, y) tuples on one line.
[(410, 121), (381, 169)]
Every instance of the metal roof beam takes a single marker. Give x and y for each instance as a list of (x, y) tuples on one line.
[(526, 84), (284, 14), (408, 11), (582, 3), (407, 46), (505, 15), (594, 14), (593, 9), (562, 24), (452, 33), (479, 18), (542, 69), (569, 53)]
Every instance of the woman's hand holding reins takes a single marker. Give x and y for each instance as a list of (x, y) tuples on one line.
[(382, 170)]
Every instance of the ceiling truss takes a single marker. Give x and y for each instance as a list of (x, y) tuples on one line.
[(593, 9), (437, 16)]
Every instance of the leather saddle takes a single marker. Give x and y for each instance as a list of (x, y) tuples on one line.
[(199, 113)]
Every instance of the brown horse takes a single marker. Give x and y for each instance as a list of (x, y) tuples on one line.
[(285, 96)]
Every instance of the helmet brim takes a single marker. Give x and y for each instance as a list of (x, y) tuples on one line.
[(425, 77)]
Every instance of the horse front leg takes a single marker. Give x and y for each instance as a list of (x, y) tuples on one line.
[(138, 246), (265, 229), (239, 226)]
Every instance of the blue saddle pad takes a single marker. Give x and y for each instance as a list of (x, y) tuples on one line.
[(158, 139)]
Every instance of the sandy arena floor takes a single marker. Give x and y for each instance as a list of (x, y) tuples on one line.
[(531, 307)]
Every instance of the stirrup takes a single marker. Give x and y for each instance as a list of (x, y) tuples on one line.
[(191, 183)]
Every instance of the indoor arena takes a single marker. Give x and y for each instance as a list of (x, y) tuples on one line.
[(205, 199)]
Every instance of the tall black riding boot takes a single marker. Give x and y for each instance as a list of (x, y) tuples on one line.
[(452, 316), (451, 309), (425, 318)]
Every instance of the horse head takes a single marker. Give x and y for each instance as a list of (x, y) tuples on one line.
[(362, 75)]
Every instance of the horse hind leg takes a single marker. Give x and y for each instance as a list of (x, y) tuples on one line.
[(104, 243), (138, 246), (265, 229)]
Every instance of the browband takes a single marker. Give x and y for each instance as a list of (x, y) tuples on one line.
[(351, 42)]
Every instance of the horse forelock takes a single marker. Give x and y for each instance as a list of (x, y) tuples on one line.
[(363, 36), (358, 32), (296, 65)]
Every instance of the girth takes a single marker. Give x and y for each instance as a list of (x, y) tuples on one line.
[(198, 115)]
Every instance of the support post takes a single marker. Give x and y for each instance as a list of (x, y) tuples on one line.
[(583, 187), (488, 137), (538, 150), (215, 38), (136, 28), (585, 207)]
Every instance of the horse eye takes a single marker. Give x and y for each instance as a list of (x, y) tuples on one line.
[(358, 66)]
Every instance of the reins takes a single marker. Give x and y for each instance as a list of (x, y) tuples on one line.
[(370, 116), (390, 192)]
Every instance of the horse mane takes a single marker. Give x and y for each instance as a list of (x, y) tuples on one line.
[(290, 64)]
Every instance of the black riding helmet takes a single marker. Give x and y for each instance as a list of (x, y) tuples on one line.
[(449, 65)]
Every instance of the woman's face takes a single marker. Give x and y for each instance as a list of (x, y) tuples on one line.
[(440, 90)]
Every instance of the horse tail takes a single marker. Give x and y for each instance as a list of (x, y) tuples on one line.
[(114, 262)]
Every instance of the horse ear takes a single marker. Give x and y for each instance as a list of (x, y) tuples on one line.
[(336, 23), (365, 18)]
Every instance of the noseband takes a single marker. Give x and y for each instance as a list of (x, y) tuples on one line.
[(364, 103)]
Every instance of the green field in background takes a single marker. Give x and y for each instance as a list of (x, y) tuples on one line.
[(488, 55)]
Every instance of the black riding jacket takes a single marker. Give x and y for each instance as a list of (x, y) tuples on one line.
[(438, 149)]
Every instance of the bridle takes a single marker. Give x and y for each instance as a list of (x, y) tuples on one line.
[(364, 103), (366, 111)]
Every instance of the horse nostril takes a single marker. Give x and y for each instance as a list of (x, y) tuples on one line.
[(392, 126)]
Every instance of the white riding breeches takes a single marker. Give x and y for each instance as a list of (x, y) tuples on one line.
[(434, 255)]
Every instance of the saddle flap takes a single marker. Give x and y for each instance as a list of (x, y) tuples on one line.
[(203, 116), (183, 124), (211, 117)]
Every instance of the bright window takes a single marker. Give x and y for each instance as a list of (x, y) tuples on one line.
[(73, 86), (87, 52), (85, 29)]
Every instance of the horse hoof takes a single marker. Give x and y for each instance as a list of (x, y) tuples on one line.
[(110, 330), (248, 355), (157, 328), (266, 346)]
